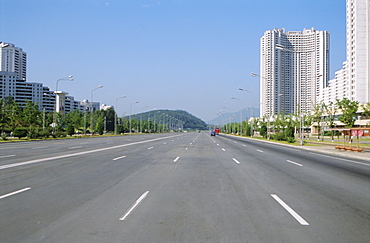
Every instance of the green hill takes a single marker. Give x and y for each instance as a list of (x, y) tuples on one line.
[(177, 116)]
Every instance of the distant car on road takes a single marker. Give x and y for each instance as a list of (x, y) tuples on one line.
[(213, 133)]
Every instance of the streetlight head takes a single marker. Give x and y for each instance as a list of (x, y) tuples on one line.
[(124, 96), (254, 75), (100, 86), (241, 89), (70, 76)]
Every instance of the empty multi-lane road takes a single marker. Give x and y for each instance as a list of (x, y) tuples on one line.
[(187, 187)]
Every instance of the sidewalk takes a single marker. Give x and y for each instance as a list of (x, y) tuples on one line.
[(328, 149)]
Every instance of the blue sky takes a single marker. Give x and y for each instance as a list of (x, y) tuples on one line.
[(190, 55)]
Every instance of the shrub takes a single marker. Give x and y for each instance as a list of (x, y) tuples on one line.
[(100, 130), (20, 132), (248, 130), (263, 131), (329, 133), (70, 130), (279, 136), (33, 134), (289, 132), (290, 140), (44, 134), (59, 135)]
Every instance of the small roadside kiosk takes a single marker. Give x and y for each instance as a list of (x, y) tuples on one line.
[(350, 132)]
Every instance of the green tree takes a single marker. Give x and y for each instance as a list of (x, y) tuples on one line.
[(99, 126), (349, 109), (263, 130), (366, 108), (32, 115), (75, 119), (317, 117), (109, 119), (70, 130), (11, 113), (331, 110)]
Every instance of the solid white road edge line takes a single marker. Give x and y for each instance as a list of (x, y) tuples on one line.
[(16, 192), (7, 156), (290, 210), (150, 148), (79, 153), (176, 159), (260, 151), (120, 157), (294, 162), (138, 201), (341, 159), (236, 161), (75, 147), (40, 147)]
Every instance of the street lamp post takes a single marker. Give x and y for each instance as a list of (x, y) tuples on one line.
[(240, 114), (91, 109), (149, 121), (155, 125), (269, 108), (322, 122), (228, 125), (115, 116), (43, 119), (141, 118), (251, 108), (130, 115), (69, 78), (301, 142)]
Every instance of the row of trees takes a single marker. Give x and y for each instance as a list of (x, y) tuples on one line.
[(284, 127), (28, 120)]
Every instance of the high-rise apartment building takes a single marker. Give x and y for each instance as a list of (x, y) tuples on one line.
[(358, 49), (294, 70), (354, 81), (13, 59), (337, 89), (13, 82)]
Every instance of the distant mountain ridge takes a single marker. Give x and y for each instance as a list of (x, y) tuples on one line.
[(191, 122)]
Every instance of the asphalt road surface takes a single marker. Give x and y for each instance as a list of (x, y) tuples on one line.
[(179, 187)]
